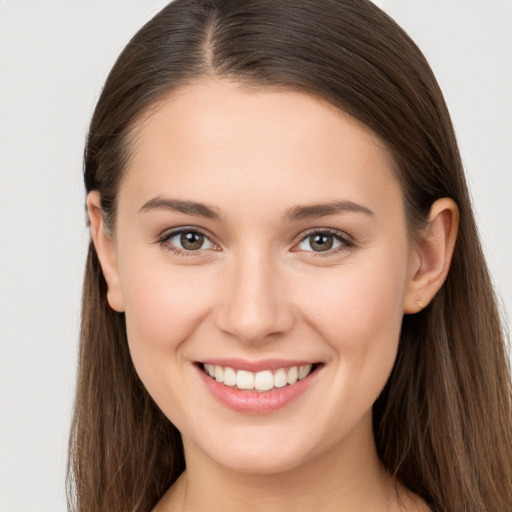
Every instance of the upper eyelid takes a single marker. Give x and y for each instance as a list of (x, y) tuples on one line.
[(169, 233), (329, 231)]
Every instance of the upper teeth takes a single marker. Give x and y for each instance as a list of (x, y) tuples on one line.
[(260, 381)]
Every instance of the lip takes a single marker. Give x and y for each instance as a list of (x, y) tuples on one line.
[(256, 402)]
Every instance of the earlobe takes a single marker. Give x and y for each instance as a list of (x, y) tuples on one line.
[(105, 249), (431, 255)]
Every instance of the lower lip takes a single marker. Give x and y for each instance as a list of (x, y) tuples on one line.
[(257, 402)]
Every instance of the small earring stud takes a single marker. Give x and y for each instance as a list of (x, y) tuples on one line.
[(419, 304)]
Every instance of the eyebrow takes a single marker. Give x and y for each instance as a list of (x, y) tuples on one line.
[(295, 213), (177, 205), (322, 210)]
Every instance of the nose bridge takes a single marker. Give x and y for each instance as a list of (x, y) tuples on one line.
[(255, 305)]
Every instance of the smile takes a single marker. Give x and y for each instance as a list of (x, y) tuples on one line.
[(257, 388), (261, 381)]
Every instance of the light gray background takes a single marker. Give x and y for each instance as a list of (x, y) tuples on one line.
[(54, 57)]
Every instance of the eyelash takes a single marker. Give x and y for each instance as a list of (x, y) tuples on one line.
[(346, 243)]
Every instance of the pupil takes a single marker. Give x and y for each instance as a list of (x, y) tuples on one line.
[(321, 242), (191, 241)]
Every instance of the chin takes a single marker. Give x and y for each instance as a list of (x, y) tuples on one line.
[(247, 460), (261, 450)]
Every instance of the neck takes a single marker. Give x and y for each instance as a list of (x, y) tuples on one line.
[(347, 477)]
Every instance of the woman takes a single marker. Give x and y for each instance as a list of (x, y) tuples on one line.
[(285, 302)]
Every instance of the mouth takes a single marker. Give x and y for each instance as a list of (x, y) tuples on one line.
[(265, 380), (257, 387)]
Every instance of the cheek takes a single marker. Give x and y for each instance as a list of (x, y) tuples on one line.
[(359, 321), (163, 306), (358, 299), (163, 309), (360, 318)]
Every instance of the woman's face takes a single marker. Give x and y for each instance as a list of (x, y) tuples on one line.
[(263, 232)]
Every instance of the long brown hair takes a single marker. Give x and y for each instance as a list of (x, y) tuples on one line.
[(443, 423)]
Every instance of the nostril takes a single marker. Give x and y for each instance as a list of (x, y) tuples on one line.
[(252, 326)]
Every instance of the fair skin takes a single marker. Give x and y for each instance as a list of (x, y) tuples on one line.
[(254, 276)]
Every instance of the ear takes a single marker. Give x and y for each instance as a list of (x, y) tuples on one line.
[(105, 248), (431, 255)]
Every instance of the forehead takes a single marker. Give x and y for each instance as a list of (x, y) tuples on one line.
[(218, 137)]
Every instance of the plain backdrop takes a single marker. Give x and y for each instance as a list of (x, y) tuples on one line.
[(54, 57)]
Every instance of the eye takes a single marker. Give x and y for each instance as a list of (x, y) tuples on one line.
[(324, 241), (187, 241)]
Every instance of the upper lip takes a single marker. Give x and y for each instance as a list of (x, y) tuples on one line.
[(256, 366)]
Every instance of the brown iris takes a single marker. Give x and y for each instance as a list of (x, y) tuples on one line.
[(191, 240), (321, 242)]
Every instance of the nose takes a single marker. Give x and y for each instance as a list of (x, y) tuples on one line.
[(254, 306)]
